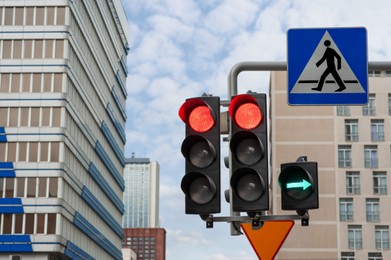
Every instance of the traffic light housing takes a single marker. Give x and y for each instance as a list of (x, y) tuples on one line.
[(249, 153), (201, 149), (299, 185)]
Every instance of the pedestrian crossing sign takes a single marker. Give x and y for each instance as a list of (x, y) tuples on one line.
[(327, 66)]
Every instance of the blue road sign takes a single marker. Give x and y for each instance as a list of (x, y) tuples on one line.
[(327, 66)]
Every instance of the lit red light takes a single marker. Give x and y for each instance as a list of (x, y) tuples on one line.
[(200, 119), (248, 116)]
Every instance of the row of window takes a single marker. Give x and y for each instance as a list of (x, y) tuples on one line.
[(367, 110), (32, 49), (29, 187), (30, 116), (355, 238), (30, 15), (371, 256), (30, 82), (351, 130), (30, 152), (345, 156), (346, 212), (353, 183), (28, 223)]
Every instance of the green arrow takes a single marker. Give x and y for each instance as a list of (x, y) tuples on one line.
[(303, 184)]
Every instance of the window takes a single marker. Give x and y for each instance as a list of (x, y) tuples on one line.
[(354, 237), (351, 130), (344, 156), (389, 104), (370, 108), (382, 237), (352, 183), (30, 116), (345, 209), (8, 15), (373, 210), (35, 187), (370, 156), (5, 81), (7, 49), (374, 73), (29, 223), (377, 130), (347, 256), (19, 15), (375, 256), (379, 183)]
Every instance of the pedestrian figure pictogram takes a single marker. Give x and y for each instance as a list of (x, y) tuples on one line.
[(329, 56)]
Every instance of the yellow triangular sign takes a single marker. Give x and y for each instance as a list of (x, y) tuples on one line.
[(267, 240)]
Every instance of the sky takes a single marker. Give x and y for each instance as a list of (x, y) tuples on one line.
[(183, 48)]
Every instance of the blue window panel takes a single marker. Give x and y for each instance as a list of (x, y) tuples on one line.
[(75, 252), (117, 125), (102, 211), (100, 180), (110, 166), (15, 243), (3, 136), (110, 138), (7, 169), (6, 165), (123, 65), (121, 84), (11, 205), (80, 222), (118, 103), (7, 173)]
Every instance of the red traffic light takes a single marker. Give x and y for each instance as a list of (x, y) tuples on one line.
[(245, 111), (198, 115)]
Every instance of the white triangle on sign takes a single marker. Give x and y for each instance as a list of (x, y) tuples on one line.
[(311, 75)]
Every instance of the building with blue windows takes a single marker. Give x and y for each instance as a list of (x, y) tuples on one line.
[(62, 119)]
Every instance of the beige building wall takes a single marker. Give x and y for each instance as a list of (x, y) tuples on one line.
[(317, 132)]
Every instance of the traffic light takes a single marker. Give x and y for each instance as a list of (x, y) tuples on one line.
[(201, 148), (299, 185), (249, 153)]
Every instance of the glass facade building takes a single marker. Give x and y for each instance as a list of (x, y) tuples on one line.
[(62, 118), (141, 196)]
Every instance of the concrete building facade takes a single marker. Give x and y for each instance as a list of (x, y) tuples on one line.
[(352, 145), (62, 118)]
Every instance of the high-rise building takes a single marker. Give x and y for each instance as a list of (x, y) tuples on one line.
[(62, 118), (352, 145), (141, 196)]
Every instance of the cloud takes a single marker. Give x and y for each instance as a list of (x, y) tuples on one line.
[(194, 239)]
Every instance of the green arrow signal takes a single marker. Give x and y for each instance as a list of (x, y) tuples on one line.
[(303, 184)]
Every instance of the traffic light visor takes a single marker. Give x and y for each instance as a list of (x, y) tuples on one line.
[(200, 152), (247, 148), (245, 111), (200, 188), (197, 114), (248, 185)]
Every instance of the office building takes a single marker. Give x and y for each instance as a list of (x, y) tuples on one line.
[(148, 243), (62, 118), (352, 145), (141, 196)]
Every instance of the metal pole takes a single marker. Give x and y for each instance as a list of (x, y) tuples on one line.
[(278, 66)]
